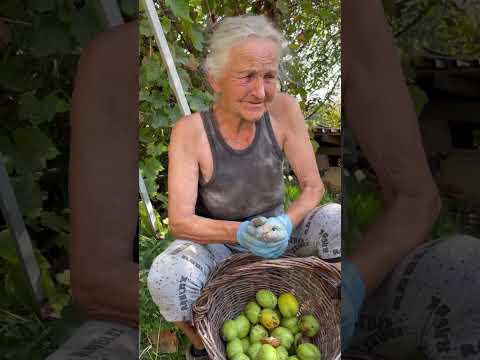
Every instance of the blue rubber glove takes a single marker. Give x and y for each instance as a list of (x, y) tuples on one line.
[(353, 293), (267, 238), (275, 228)]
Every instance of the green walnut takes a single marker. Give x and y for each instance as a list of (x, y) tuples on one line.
[(308, 352), (257, 333), (241, 357), (229, 330), (288, 305), (309, 325), (243, 325), (282, 353), (269, 319), (245, 344), (266, 299), (284, 335), (267, 352), (234, 348), (253, 350), (291, 324), (252, 312)]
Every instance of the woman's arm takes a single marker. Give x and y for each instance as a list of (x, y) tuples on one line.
[(381, 115), (299, 152), (183, 176), (103, 178)]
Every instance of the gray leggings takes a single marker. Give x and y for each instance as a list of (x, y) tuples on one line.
[(178, 274), (430, 302)]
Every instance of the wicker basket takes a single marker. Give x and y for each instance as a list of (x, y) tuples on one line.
[(235, 281)]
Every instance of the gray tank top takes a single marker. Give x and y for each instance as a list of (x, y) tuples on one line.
[(245, 183)]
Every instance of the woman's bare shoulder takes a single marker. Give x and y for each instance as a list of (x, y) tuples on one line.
[(188, 129), (188, 124), (283, 101), (283, 105), (285, 108)]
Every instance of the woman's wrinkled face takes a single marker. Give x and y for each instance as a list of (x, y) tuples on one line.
[(249, 78)]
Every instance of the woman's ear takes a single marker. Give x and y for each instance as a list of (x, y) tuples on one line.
[(214, 84)]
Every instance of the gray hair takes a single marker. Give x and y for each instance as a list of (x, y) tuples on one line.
[(230, 31)]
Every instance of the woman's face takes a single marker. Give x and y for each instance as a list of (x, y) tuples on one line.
[(249, 78)]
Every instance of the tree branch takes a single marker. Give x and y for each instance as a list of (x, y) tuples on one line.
[(415, 21), (186, 44), (13, 21), (327, 98)]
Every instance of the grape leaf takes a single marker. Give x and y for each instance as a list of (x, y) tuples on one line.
[(8, 251), (85, 25), (33, 149), (39, 111), (54, 222), (180, 9), (129, 7), (42, 5), (29, 195), (49, 36), (158, 119)]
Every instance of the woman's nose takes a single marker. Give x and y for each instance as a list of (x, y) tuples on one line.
[(259, 88)]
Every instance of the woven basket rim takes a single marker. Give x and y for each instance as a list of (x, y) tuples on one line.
[(241, 265)]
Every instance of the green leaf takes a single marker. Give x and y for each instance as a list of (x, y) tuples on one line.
[(363, 209), (156, 149), (153, 72), (47, 283), (58, 300), (34, 148), (282, 6), (174, 114), (197, 39), (54, 222), (85, 25), (8, 251), (145, 28), (29, 195), (63, 277), (14, 77), (65, 11), (419, 98), (39, 111), (196, 102), (184, 79), (129, 7), (62, 240), (157, 99), (6, 152), (389, 7), (152, 167), (158, 119), (180, 9), (49, 36), (144, 94), (146, 135), (42, 5), (166, 24)]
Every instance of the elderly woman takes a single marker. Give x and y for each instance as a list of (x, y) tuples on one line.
[(225, 168)]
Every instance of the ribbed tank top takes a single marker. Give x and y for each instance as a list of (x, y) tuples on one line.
[(245, 183)]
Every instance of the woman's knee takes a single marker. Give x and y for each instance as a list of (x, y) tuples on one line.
[(177, 276), (320, 233)]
